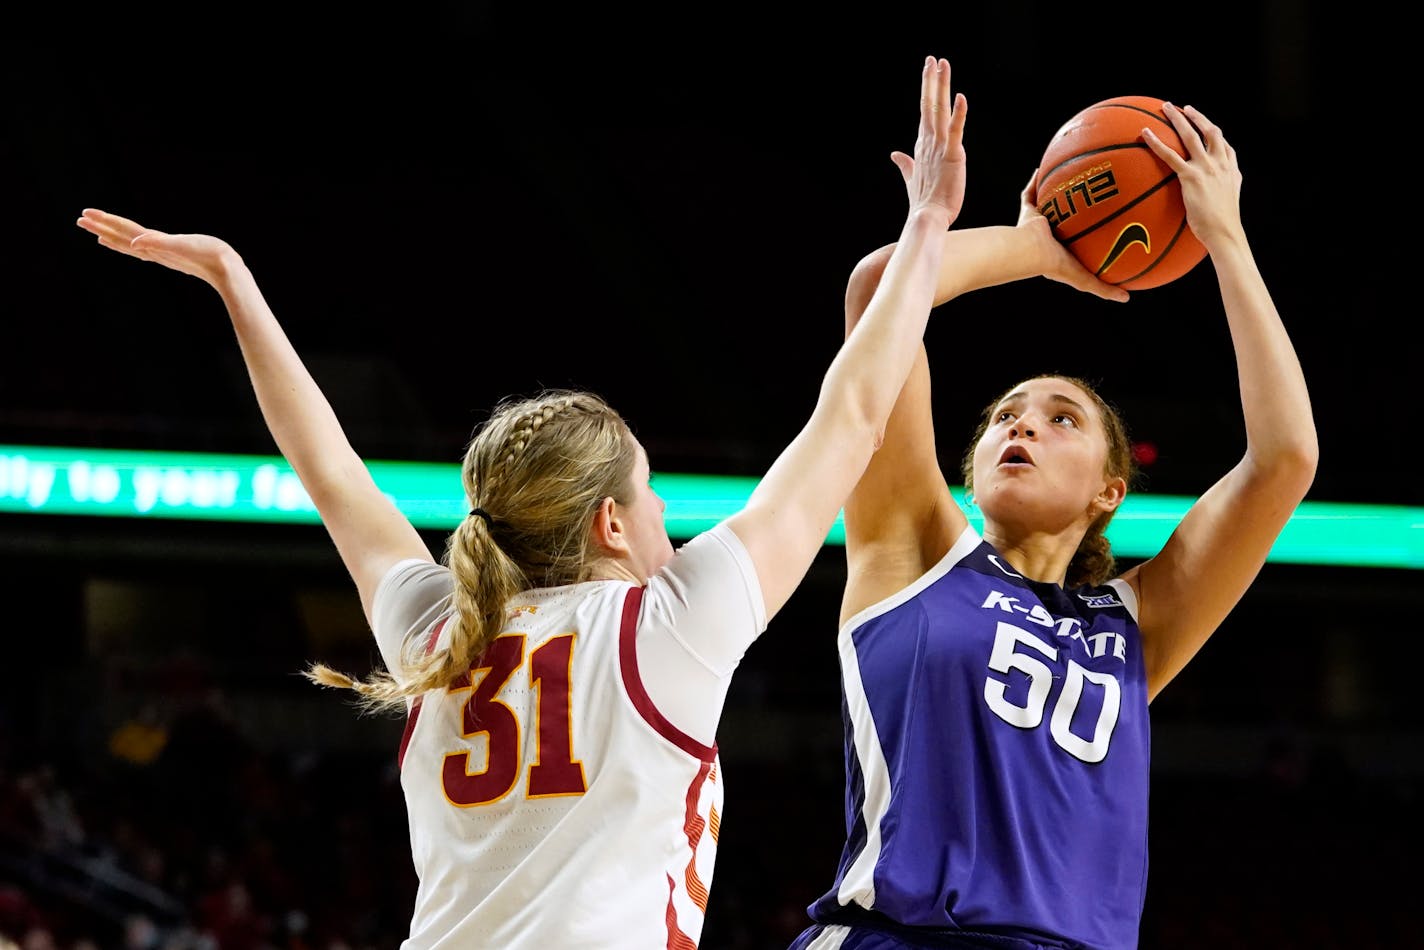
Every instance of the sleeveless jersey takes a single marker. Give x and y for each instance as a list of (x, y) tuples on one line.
[(551, 803), (997, 751)]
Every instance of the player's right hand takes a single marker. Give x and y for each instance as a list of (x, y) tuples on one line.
[(200, 255)]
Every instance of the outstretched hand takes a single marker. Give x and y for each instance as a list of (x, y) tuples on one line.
[(1209, 175), (1059, 263), (200, 255), (935, 175)]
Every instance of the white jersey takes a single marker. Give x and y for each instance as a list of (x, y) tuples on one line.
[(567, 793)]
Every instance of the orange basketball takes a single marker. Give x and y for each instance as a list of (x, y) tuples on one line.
[(1112, 201)]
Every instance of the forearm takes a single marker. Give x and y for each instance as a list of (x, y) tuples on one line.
[(885, 340), (986, 257), (369, 531), (969, 260), (298, 415), (1275, 401)]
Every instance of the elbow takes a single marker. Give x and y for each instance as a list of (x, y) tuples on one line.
[(1304, 464), (1290, 469), (854, 410), (1302, 458), (864, 415), (864, 278)]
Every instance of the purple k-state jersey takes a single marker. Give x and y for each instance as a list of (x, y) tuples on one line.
[(997, 752)]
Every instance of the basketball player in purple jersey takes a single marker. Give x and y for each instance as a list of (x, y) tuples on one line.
[(996, 684)]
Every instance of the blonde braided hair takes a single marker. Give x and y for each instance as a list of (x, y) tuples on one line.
[(534, 473)]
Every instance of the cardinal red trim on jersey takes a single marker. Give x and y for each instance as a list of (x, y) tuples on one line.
[(677, 940), (633, 683), (415, 706), (693, 825)]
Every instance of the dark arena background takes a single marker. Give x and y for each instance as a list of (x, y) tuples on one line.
[(448, 203)]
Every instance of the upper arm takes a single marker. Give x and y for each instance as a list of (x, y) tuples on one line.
[(1207, 564), (370, 533), (793, 507), (900, 518)]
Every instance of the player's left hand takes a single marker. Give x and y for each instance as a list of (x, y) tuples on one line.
[(1058, 263)]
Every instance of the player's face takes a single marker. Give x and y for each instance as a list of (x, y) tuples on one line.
[(648, 533), (1040, 464)]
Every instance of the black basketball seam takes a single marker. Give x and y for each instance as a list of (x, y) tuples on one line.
[(1124, 105), (1093, 151), (1148, 112), (1123, 210)]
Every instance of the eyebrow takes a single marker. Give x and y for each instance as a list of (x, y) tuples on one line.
[(1053, 397)]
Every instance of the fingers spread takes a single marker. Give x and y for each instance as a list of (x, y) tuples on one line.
[(1184, 127)]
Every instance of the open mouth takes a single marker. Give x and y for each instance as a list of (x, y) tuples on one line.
[(1015, 455)]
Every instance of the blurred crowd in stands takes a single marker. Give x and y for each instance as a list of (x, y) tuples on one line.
[(178, 831), (184, 835)]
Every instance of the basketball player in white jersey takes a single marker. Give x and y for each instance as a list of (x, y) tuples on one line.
[(562, 668)]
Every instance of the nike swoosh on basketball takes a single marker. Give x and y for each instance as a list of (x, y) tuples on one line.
[(1132, 234)]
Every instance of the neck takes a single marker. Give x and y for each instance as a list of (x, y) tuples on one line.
[(1037, 556), (616, 569)]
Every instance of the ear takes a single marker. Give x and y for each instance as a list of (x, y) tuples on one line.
[(1112, 494), (607, 529)]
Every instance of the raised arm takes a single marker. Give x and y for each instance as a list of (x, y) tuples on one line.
[(901, 518), (787, 517), (370, 533), (1189, 587)]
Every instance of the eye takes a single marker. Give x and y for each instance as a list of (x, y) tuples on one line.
[(1064, 418), (1003, 415)]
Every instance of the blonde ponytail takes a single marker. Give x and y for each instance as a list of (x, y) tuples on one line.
[(534, 474)]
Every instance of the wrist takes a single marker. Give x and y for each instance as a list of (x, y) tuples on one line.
[(1039, 243), (227, 267), (929, 216)]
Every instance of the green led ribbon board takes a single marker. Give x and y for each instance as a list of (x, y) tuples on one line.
[(49, 480)]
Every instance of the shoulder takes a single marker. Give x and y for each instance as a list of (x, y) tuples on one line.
[(413, 577), (410, 597), (708, 598), (715, 563)]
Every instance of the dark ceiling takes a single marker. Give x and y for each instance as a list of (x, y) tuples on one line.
[(455, 202)]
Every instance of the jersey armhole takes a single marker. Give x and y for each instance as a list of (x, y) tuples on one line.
[(413, 712), (1128, 595), (638, 693)]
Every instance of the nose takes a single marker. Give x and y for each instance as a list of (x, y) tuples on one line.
[(1022, 427)]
